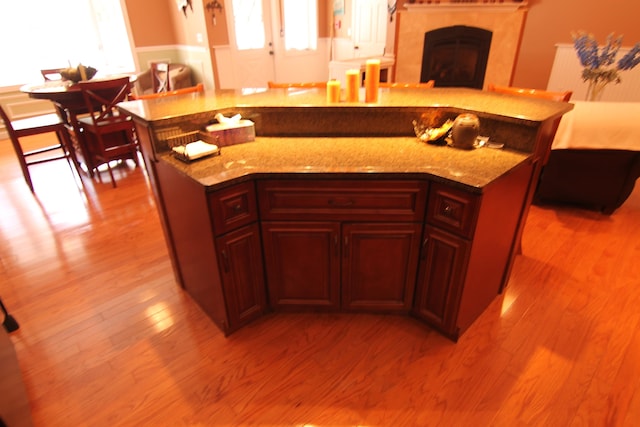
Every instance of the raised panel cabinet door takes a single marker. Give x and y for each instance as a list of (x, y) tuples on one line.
[(240, 257), (302, 263), (379, 265), (441, 274)]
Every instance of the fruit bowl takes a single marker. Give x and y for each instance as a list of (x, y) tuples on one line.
[(75, 74), (432, 135)]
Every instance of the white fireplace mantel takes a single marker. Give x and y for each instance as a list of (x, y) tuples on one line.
[(449, 6)]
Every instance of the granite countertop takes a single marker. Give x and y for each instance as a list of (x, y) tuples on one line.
[(368, 157), (491, 104), (282, 146)]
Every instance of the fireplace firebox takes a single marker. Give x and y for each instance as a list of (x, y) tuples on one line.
[(456, 56)]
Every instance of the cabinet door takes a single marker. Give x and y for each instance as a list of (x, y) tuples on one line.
[(379, 266), (302, 264), (440, 279), (242, 269)]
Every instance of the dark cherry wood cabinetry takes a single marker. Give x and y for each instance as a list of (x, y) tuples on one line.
[(379, 266), (348, 262), (302, 264), (238, 245), (468, 243), (341, 209), (216, 242)]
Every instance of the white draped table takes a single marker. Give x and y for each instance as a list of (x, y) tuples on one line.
[(595, 156)]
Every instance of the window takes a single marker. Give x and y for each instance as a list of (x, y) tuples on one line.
[(47, 34), (249, 24), (300, 24)]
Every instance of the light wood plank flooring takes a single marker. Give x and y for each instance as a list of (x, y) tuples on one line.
[(107, 338)]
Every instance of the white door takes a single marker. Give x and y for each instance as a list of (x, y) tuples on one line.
[(369, 27), (251, 42)]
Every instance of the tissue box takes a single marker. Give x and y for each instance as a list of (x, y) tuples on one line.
[(224, 134)]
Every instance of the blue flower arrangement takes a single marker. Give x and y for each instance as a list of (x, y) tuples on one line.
[(600, 67)]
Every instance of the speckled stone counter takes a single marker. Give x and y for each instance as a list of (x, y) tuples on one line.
[(299, 132), (406, 156)]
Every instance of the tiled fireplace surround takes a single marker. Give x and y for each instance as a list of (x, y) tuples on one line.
[(506, 27)]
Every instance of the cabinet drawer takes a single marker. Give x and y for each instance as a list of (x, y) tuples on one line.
[(452, 209), (233, 207), (342, 200)]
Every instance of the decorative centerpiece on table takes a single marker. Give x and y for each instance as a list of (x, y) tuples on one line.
[(77, 74), (600, 67)]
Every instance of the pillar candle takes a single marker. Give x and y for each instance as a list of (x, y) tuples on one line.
[(333, 91), (372, 80), (353, 85)]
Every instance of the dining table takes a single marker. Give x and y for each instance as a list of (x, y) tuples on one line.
[(595, 156), (69, 103)]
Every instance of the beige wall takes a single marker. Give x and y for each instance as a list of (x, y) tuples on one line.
[(151, 22), (552, 21)]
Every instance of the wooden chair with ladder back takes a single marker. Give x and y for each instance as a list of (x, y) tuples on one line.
[(108, 133), (47, 123), (199, 88)]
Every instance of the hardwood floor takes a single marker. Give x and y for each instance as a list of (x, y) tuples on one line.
[(108, 338)]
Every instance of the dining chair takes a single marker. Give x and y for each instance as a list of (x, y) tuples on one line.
[(274, 85), (199, 88), (51, 74), (563, 96), (425, 85), (109, 134), (46, 123), (160, 77)]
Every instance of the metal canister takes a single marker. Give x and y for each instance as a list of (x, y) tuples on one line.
[(465, 131)]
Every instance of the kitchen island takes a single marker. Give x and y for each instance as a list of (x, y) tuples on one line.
[(338, 207)]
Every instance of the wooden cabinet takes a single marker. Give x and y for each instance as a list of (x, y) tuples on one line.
[(468, 243), (234, 218), (451, 218), (379, 266), (242, 274), (302, 262), (215, 239), (348, 262), (353, 266), (440, 279), (296, 244)]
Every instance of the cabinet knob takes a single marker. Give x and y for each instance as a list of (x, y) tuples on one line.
[(341, 202)]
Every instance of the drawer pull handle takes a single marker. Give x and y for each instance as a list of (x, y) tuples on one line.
[(341, 202), (424, 248), (237, 208), (447, 208), (346, 246), (225, 261)]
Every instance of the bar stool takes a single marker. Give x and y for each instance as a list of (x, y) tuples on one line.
[(47, 123)]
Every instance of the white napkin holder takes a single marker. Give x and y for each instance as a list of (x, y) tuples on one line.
[(195, 150)]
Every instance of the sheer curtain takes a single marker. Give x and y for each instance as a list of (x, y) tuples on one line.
[(39, 34)]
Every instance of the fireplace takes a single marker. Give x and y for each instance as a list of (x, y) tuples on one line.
[(456, 56)]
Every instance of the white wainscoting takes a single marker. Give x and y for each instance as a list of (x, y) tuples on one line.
[(566, 75)]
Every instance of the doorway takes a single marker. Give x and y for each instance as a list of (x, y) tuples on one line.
[(256, 53)]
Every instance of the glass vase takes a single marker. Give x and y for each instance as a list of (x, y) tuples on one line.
[(595, 90)]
